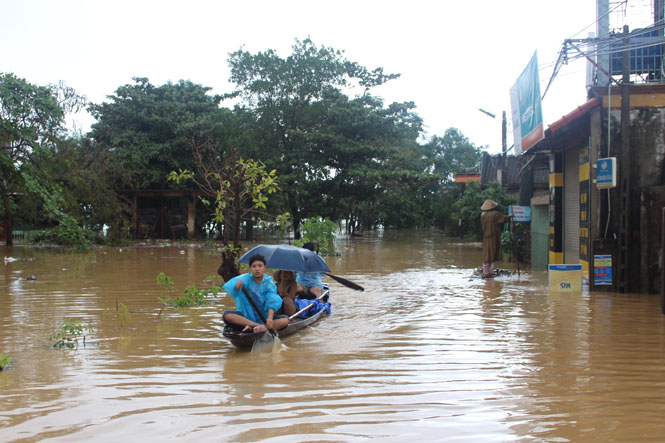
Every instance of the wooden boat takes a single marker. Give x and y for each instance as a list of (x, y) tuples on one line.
[(247, 339), (478, 273)]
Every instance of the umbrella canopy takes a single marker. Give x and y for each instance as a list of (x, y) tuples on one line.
[(288, 258)]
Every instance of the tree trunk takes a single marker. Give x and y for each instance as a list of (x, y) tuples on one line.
[(225, 226), (249, 229), (237, 217), (228, 269), (296, 217), (9, 229)]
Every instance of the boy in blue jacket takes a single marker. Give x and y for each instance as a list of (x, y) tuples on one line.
[(264, 293)]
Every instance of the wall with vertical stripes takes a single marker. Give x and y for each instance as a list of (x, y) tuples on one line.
[(556, 210)]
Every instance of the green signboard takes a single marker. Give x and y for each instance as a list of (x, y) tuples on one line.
[(526, 107)]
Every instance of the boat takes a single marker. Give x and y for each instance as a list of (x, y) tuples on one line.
[(247, 339), (478, 273)]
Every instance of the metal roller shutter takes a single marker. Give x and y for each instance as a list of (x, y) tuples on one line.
[(571, 207)]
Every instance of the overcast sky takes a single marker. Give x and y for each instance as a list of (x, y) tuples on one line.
[(453, 56)]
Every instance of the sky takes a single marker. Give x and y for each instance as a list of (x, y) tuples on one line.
[(454, 57)]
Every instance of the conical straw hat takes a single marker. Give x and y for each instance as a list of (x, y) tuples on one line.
[(489, 204)]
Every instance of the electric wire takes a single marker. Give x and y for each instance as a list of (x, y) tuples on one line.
[(604, 45)]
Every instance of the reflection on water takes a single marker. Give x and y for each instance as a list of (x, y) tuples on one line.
[(427, 351)]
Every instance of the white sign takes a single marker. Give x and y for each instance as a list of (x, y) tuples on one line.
[(522, 213), (565, 278)]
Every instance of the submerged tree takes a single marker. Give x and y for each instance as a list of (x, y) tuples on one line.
[(239, 188)]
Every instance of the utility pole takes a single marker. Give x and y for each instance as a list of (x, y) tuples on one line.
[(624, 256), (504, 146), (504, 128), (603, 32)]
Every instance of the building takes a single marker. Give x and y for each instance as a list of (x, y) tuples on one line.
[(587, 214), (624, 222)]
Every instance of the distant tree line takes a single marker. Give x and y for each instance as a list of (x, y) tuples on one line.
[(335, 154)]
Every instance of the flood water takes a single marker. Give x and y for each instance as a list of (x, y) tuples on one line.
[(425, 352)]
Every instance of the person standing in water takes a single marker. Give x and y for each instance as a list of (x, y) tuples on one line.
[(491, 223)]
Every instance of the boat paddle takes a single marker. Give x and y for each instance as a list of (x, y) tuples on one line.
[(265, 339), (345, 282)]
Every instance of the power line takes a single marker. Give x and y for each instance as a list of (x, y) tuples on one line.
[(604, 46)]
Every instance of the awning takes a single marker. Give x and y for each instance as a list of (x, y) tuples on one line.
[(569, 130)]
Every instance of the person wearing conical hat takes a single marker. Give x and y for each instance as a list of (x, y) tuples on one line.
[(491, 221)]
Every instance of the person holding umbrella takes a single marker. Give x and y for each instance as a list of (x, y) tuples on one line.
[(491, 221), (258, 285)]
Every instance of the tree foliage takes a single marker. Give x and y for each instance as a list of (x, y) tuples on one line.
[(239, 187), (336, 156), (31, 124), (75, 189), (321, 232), (148, 128), (310, 118), (292, 99), (466, 212), (453, 154)]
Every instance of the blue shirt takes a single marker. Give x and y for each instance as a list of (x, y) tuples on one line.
[(310, 279), (264, 295)]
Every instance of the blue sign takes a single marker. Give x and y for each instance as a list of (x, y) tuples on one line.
[(606, 173), (577, 267), (602, 269)]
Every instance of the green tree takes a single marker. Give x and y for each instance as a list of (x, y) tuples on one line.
[(85, 175), (321, 232), (148, 128), (453, 154), (449, 155), (465, 218), (291, 98), (31, 122), (239, 188), (374, 161)]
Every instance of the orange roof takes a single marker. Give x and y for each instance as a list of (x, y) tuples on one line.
[(465, 178)]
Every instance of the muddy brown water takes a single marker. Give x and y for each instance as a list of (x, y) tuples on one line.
[(426, 352)]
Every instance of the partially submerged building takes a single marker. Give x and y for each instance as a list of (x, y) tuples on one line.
[(623, 126)]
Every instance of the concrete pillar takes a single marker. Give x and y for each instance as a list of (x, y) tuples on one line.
[(191, 216)]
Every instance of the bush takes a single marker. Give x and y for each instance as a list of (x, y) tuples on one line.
[(69, 333), (192, 296), (5, 360), (67, 234), (320, 231)]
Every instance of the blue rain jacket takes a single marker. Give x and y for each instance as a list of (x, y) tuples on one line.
[(264, 295), (309, 279), (318, 305)]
